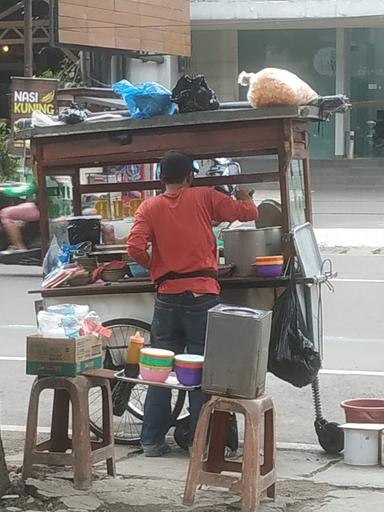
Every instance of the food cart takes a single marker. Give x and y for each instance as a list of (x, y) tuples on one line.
[(125, 306)]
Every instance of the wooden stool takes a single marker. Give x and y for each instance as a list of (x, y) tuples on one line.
[(205, 469), (84, 452)]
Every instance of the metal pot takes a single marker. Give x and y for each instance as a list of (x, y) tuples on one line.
[(242, 245)]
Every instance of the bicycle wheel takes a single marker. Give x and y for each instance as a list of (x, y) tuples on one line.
[(128, 399)]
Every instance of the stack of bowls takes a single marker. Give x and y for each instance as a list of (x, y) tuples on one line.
[(156, 364), (269, 266), (189, 369)]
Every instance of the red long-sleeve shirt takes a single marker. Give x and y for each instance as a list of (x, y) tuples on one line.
[(180, 228)]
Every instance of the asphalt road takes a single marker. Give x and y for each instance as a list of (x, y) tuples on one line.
[(353, 347)]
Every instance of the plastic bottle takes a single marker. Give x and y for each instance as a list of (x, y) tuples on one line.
[(136, 343)]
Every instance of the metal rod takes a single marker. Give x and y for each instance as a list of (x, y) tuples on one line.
[(28, 39)]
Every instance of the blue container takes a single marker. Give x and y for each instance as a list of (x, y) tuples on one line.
[(137, 270)]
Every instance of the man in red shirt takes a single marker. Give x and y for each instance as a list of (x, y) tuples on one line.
[(183, 264)]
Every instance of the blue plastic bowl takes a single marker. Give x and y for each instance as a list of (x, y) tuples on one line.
[(137, 270)]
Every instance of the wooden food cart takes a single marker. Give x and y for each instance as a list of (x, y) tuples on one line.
[(64, 150)]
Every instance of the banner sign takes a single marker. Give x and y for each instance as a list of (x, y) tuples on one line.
[(27, 96)]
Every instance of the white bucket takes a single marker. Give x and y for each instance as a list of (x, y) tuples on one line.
[(361, 443)]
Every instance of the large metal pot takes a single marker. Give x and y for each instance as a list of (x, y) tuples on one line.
[(242, 245)]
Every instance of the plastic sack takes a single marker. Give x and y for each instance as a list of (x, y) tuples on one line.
[(70, 321), (145, 100), (291, 353), (194, 95), (52, 258), (272, 87), (78, 310)]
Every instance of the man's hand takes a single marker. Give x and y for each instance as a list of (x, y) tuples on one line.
[(244, 195)]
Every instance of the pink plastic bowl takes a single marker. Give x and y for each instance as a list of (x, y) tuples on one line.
[(154, 375)]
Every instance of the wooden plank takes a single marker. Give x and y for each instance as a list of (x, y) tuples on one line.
[(260, 177), (150, 145), (148, 287), (182, 121), (284, 157), (42, 196)]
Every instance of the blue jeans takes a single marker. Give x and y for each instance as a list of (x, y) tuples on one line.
[(179, 324)]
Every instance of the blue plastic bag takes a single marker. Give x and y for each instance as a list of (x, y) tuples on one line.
[(145, 100)]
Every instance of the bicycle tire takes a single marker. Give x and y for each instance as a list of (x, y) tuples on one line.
[(132, 409)]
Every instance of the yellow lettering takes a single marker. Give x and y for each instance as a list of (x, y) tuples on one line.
[(28, 108)]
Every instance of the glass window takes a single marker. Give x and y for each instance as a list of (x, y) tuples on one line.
[(367, 91), (310, 54)]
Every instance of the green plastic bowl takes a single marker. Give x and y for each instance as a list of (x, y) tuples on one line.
[(153, 361)]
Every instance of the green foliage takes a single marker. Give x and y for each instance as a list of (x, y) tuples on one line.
[(8, 163), (69, 74)]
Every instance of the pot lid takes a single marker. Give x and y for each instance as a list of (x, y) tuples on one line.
[(269, 214)]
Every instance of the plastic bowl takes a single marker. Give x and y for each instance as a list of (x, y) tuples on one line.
[(269, 260), (189, 359), (157, 353), (188, 365), (154, 374), (155, 361), (113, 275), (364, 410), (189, 376), (137, 270), (269, 270)]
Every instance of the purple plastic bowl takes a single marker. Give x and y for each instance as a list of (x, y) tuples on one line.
[(189, 376), (269, 270)]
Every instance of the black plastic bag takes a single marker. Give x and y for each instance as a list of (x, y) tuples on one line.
[(192, 94), (73, 114), (291, 353)]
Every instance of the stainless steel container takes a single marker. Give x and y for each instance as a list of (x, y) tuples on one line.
[(243, 245), (236, 351)]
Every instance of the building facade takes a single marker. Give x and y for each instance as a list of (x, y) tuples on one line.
[(335, 46)]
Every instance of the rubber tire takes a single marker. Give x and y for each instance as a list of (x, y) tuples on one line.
[(330, 436), (95, 429)]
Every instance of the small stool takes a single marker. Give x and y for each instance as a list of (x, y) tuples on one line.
[(206, 469), (84, 452)]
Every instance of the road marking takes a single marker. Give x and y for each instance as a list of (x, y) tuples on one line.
[(357, 280), (352, 372), (22, 428), (12, 358), (363, 373)]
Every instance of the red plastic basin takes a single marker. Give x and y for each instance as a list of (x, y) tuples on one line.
[(364, 410)]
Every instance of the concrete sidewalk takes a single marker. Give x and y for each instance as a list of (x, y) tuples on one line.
[(309, 481)]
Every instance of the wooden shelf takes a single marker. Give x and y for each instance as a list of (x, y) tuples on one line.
[(143, 285)]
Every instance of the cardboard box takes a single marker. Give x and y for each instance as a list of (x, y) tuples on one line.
[(62, 356)]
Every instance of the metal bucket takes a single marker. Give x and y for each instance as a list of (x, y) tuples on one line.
[(243, 245)]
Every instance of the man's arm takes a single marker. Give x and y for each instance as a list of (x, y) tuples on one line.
[(225, 209), (140, 235)]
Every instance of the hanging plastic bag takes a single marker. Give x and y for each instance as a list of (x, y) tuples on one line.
[(291, 353), (52, 258), (272, 87), (145, 100), (194, 95)]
